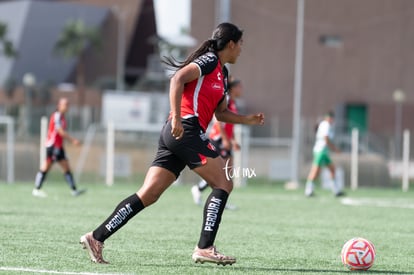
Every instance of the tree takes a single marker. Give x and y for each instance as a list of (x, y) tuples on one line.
[(72, 42), (7, 49), (6, 45)]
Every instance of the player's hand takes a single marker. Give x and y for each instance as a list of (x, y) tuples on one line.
[(177, 129), (255, 119), (236, 146), (226, 144), (75, 142)]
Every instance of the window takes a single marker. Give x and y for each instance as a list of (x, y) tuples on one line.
[(332, 41)]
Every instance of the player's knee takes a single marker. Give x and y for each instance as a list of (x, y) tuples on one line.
[(148, 198), (230, 184)]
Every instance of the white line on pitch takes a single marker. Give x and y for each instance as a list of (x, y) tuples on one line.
[(23, 269), (378, 202)]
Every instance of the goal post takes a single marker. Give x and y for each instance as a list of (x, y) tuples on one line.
[(354, 158), (110, 147), (9, 122), (406, 161), (122, 146), (106, 153), (43, 135)]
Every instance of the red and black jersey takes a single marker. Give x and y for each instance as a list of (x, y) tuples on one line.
[(57, 121), (228, 127), (202, 95)]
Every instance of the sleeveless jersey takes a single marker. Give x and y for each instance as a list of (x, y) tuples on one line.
[(57, 121)]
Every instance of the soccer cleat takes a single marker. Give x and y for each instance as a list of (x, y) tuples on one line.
[(309, 193), (340, 194), (76, 193), (196, 194), (94, 248), (309, 189), (211, 255), (39, 193)]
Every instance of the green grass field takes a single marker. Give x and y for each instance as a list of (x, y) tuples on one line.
[(274, 231)]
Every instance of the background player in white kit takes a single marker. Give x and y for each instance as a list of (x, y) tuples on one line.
[(321, 155)]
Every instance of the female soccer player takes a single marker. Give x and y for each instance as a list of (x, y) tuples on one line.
[(321, 155), (55, 152), (196, 93), (222, 137)]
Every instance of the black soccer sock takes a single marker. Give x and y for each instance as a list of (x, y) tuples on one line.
[(213, 210), (69, 179), (202, 185), (125, 210), (40, 178)]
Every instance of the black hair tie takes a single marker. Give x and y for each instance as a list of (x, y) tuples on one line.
[(213, 43)]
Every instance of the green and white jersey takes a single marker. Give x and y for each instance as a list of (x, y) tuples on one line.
[(324, 129)]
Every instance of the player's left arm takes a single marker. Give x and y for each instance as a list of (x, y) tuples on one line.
[(58, 126), (235, 144), (66, 135), (225, 139), (328, 138), (331, 145), (225, 115)]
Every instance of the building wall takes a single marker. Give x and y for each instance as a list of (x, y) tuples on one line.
[(106, 56), (373, 60)]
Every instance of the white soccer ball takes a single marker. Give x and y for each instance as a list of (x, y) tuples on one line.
[(358, 254)]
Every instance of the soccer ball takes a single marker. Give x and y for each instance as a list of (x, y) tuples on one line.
[(358, 254)]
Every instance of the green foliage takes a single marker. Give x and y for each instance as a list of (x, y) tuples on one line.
[(273, 231), (75, 38), (105, 83), (7, 46), (43, 91), (9, 86)]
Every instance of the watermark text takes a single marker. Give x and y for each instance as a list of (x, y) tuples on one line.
[(238, 172)]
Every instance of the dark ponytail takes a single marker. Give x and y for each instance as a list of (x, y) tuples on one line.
[(223, 34)]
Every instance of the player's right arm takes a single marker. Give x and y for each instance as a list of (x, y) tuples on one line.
[(202, 65), (180, 78)]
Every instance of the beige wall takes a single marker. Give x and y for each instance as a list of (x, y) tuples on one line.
[(375, 58)]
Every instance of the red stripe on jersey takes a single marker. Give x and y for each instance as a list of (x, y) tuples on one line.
[(203, 159)]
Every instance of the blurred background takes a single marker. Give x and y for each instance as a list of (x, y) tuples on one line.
[(105, 56)]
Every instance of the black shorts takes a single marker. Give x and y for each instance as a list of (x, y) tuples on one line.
[(192, 149), (55, 154), (224, 153)]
